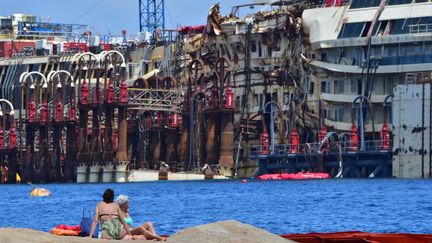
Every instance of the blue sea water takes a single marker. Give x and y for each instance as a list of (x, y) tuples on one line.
[(373, 205)]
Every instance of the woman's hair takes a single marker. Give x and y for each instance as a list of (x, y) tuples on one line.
[(108, 196), (122, 200)]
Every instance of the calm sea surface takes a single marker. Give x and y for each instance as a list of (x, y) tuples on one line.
[(374, 205)]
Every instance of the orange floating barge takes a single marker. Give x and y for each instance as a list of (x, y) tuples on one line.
[(358, 236), (294, 176)]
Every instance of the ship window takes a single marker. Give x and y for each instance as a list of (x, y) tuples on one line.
[(324, 57), (353, 86), (421, 1), (380, 31), (269, 51), (239, 47), (259, 49), (339, 86), (428, 49), (341, 115), (397, 2), (255, 100), (403, 26), (311, 88), (351, 30), (324, 87), (261, 100), (336, 87), (410, 50), (377, 52), (253, 46), (331, 114), (390, 51), (335, 115), (388, 85), (275, 97), (366, 29), (286, 98), (359, 86), (364, 3)]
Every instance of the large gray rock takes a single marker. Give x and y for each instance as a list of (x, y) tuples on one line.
[(230, 231)]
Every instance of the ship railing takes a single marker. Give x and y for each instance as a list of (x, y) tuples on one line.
[(312, 148), (283, 149), (217, 104), (420, 28)]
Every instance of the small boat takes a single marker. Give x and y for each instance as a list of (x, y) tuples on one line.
[(294, 176)]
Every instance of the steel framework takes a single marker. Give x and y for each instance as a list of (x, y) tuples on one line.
[(151, 15), (153, 100)]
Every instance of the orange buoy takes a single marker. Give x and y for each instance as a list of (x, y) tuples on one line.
[(40, 192)]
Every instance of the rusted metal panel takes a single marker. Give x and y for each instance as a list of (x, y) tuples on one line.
[(212, 139), (122, 152), (226, 161), (184, 139), (171, 146)]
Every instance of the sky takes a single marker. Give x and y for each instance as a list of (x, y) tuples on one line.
[(112, 16)]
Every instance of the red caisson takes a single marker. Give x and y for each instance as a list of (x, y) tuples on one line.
[(294, 141), (58, 111), (31, 111), (265, 143), (229, 100), (110, 94), (1, 139), (44, 111), (321, 136), (72, 111), (175, 120), (354, 138), (84, 93), (385, 137), (12, 138), (123, 92)]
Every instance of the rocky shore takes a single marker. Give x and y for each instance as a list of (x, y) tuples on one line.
[(225, 231)]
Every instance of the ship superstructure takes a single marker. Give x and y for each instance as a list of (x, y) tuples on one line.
[(359, 53)]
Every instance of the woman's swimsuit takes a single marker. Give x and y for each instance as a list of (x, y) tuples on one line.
[(113, 228), (128, 221)]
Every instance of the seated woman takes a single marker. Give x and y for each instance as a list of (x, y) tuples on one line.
[(110, 216), (146, 230)]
